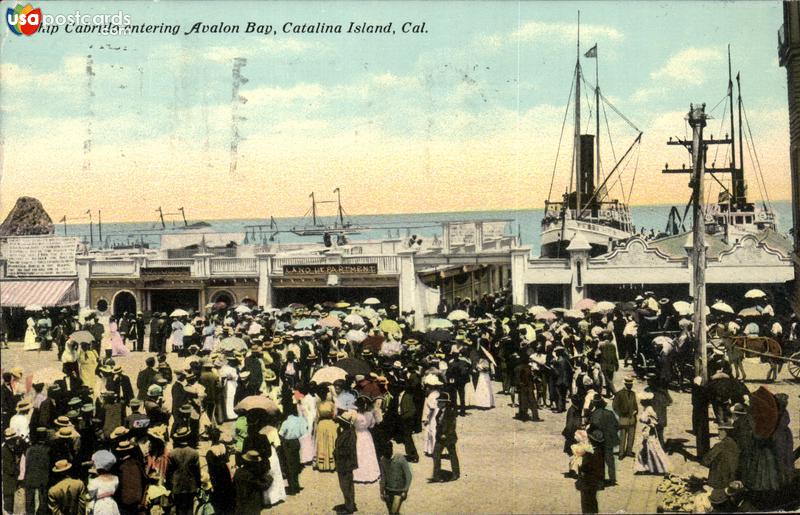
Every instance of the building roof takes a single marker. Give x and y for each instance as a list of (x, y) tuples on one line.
[(674, 246)]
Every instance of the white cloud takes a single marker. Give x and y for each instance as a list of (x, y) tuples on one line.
[(264, 47), (688, 65), (536, 30), (271, 96)]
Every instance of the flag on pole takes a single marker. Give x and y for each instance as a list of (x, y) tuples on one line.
[(592, 52)]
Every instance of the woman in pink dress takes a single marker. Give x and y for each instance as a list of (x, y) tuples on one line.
[(118, 347), (368, 470)]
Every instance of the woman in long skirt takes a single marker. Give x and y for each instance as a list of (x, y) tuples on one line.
[(325, 434), (651, 458), (429, 411), (30, 342), (277, 490), (230, 380), (176, 337), (484, 394), (118, 347), (368, 470), (308, 409)]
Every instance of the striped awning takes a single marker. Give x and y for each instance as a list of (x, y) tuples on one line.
[(18, 294)]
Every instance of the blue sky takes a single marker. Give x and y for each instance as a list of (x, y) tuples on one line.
[(402, 122)]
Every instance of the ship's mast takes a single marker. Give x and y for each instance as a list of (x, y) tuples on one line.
[(313, 209), (735, 176), (740, 173), (597, 113), (339, 201), (578, 181)]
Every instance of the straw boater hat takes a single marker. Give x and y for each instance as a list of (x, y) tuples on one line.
[(182, 434), (269, 376), (251, 457), (17, 372), (62, 421), (10, 433), (61, 466), (117, 369), (125, 446), (118, 432), (244, 374), (628, 380), (23, 406)]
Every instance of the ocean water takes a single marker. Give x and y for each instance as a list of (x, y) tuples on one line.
[(525, 223)]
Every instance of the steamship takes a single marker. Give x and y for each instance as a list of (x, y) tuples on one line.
[(589, 210)]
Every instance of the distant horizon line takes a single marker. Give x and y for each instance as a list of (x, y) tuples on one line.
[(266, 218)]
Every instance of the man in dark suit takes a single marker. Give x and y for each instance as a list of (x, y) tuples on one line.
[(562, 378), (8, 401), (67, 494), (137, 332), (68, 387), (183, 473), (609, 362), (146, 377), (446, 438), (155, 332), (605, 421), (526, 387), (458, 373), (120, 384), (402, 414), (12, 451), (590, 473), (627, 408), (37, 473), (346, 458)]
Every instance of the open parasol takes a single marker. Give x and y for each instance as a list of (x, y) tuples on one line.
[(604, 307), (328, 375), (535, 310), (390, 326), (354, 366), (749, 312), (722, 307), (179, 313), (574, 313), (586, 303), (546, 316), (373, 342), (305, 323), (354, 319), (372, 301), (257, 402), (356, 336), (439, 323), (33, 307), (683, 308), (242, 309), (330, 321), (439, 335), (82, 337), (458, 314), (342, 304), (755, 293), (232, 343)]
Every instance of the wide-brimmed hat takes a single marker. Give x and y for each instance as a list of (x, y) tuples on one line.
[(157, 432), (182, 433), (17, 372), (124, 446), (64, 432), (103, 460), (269, 376), (244, 374), (154, 391), (10, 432), (724, 426), (117, 369), (61, 466), (251, 456), (628, 380), (118, 432), (62, 421), (23, 406)]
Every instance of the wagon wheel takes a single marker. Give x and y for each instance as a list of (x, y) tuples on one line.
[(794, 366)]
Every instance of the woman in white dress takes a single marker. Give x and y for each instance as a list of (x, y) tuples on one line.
[(176, 338), (308, 447), (230, 378), (429, 411), (368, 470), (118, 347), (101, 488), (277, 490), (30, 342), (651, 459), (484, 394)]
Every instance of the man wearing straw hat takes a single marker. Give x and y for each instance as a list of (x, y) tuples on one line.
[(67, 494), (249, 482), (183, 472), (12, 451)]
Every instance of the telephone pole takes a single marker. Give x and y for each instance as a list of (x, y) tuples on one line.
[(697, 148)]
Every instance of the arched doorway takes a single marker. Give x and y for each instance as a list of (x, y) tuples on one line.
[(124, 302), (222, 297)]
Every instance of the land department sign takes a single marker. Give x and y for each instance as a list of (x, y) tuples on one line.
[(348, 269), (42, 256)]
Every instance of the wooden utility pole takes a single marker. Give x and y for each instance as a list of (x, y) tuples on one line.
[(697, 121), (697, 148)]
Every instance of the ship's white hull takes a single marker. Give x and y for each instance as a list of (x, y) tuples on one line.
[(554, 236)]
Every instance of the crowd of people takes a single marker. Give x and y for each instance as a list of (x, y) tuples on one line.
[(343, 388)]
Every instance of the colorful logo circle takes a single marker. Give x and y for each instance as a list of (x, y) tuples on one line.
[(24, 21)]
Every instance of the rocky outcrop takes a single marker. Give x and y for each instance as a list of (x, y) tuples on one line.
[(26, 218)]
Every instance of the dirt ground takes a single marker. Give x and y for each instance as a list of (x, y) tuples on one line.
[(507, 466)]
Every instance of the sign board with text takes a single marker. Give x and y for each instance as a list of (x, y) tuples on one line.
[(464, 233), (40, 256), (345, 269)]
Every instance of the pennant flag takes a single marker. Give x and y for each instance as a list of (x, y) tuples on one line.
[(592, 52)]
